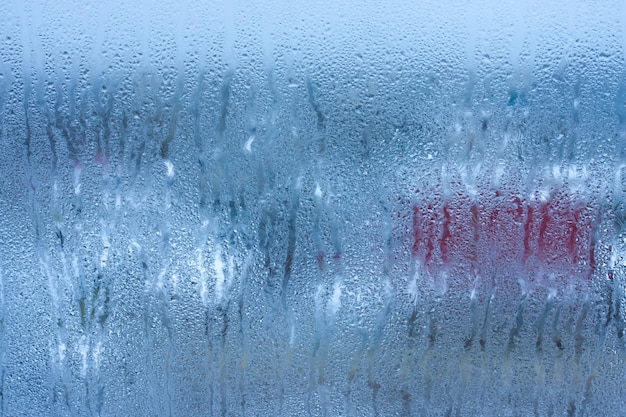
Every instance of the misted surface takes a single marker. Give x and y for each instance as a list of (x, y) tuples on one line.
[(292, 209)]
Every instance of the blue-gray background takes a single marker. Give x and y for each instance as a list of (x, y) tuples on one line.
[(198, 206)]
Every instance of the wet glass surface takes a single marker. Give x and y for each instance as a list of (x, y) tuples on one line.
[(287, 209)]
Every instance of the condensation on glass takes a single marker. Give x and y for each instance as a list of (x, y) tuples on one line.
[(287, 209)]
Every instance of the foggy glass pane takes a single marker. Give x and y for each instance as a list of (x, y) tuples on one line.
[(276, 208)]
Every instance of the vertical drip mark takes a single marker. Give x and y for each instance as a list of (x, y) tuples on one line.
[(155, 305), (527, 233), (103, 103), (425, 233), (165, 321), (482, 341), (5, 87), (592, 256), (224, 100), (599, 350), (54, 159), (593, 238), (475, 224), (60, 390), (610, 295), (3, 325), (325, 313), (321, 120), (483, 331), (251, 125), (196, 114), (246, 271), (593, 372), (266, 222), (539, 366), (541, 321), (352, 372), (560, 348), (573, 234), (334, 302), (556, 334), (619, 297), (316, 371), (446, 236), (158, 285), (291, 243), (587, 391), (323, 321), (222, 359), (545, 220), (417, 233), (426, 362), (244, 354), (220, 179), (95, 294), (32, 189), (465, 366), (469, 341), (217, 326), (374, 345), (318, 354), (406, 402), (513, 334), (316, 232), (579, 341), (210, 359), (388, 245), (335, 241), (171, 130)]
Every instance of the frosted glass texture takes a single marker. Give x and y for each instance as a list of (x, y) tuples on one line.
[(312, 209)]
